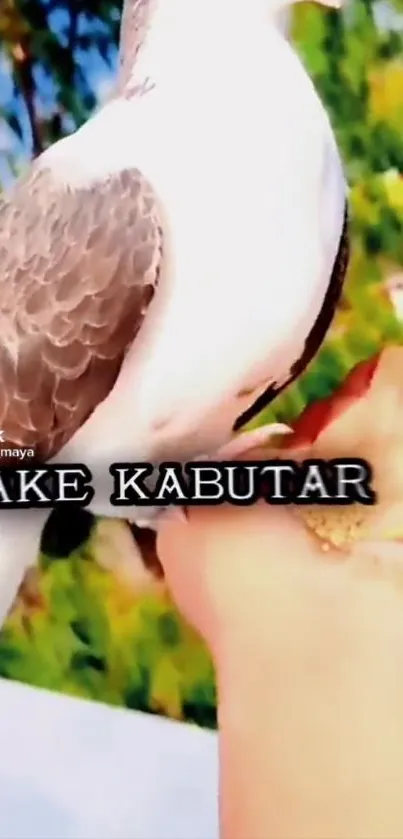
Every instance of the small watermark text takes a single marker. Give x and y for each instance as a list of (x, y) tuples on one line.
[(12, 452)]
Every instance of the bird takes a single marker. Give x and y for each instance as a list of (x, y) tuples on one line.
[(174, 264)]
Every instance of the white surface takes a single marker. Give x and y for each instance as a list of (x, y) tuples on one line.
[(72, 769)]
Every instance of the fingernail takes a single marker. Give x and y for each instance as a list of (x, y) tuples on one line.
[(175, 515)]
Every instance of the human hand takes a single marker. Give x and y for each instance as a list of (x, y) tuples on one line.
[(243, 575), (308, 646), (228, 566), (307, 642)]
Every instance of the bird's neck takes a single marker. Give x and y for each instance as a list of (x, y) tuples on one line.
[(157, 34)]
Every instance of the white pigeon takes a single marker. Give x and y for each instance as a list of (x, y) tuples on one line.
[(170, 267)]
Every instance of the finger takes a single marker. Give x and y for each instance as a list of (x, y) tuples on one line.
[(176, 552), (277, 532), (226, 532)]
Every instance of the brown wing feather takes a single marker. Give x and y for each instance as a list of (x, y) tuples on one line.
[(78, 269)]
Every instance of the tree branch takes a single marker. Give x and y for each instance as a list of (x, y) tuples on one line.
[(23, 72)]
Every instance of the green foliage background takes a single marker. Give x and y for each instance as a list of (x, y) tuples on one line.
[(91, 636)]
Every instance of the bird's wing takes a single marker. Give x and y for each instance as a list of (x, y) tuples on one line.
[(334, 243), (78, 270), (315, 336)]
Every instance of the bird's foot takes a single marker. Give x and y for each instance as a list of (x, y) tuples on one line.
[(148, 518), (249, 440)]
